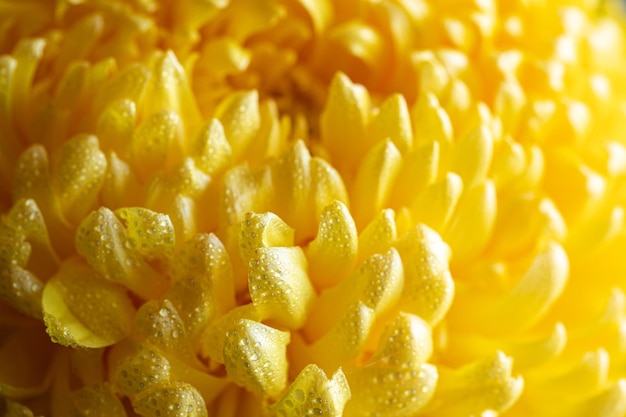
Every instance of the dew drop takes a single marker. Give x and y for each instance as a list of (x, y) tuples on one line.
[(299, 394)]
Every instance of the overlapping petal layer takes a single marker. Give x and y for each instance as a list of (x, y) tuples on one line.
[(312, 207)]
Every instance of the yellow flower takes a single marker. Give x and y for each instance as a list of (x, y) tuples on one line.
[(312, 207)]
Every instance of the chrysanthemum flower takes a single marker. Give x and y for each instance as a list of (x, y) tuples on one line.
[(312, 207)]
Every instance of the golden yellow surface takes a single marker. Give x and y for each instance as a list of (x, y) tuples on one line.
[(377, 208)]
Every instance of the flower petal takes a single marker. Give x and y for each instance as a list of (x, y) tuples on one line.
[(477, 387), (312, 393), (203, 287), (138, 368), (82, 309), (97, 400), (378, 236), (429, 288), (240, 116), (150, 233), (334, 249), (255, 357), (175, 399), (103, 241), (263, 231), (393, 121), (374, 181), (346, 340), (211, 150), (343, 123), (279, 285)]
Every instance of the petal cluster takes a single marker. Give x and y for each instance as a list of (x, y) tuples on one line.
[(312, 207)]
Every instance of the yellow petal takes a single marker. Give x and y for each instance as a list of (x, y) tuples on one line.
[(97, 400), (378, 236), (271, 139), (9, 146), (255, 357), (72, 85), (312, 393), (374, 181), (334, 249), (156, 143), (611, 402), (379, 281), (597, 230), (28, 53), (346, 340), (483, 385), (240, 116), (25, 222), (525, 223), (534, 170), (224, 56), (393, 121), (460, 106), (159, 324), (363, 46), (171, 400), (377, 284), (138, 369), (343, 123), (291, 180), (394, 391), (211, 149), (116, 123), (319, 11), (121, 186), (244, 191), (431, 123), (405, 341), (472, 157), (249, 17), (574, 187), (185, 180), (214, 337), (432, 74), (436, 204), (429, 288), (26, 218), (150, 233), (203, 286), (103, 241), (535, 352), (183, 212), (510, 100), (129, 84), (263, 231), (22, 290), (528, 301), (82, 309), (588, 375), (509, 162), (419, 170), (472, 225), (279, 285), (327, 185), (169, 90), (32, 181), (78, 170), (80, 39)]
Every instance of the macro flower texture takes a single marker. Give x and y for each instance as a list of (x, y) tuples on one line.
[(282, 208)]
